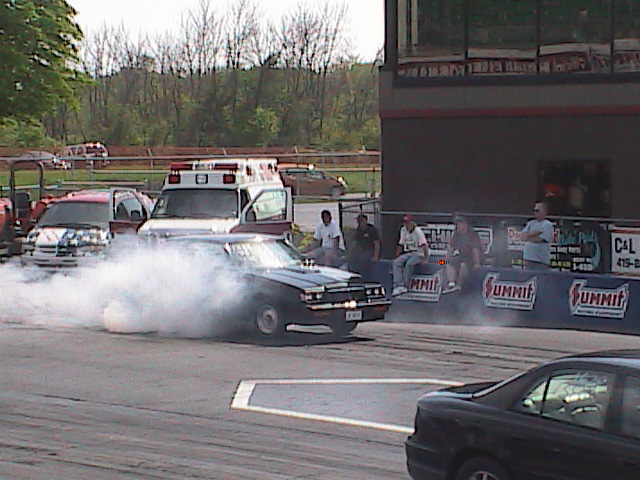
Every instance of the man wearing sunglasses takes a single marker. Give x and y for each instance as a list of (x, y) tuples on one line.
[(537, 235)]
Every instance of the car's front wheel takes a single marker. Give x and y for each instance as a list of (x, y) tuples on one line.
[(268, 320), (343, 328), (482, 468)]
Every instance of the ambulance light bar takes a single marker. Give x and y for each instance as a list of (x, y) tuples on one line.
[(173, 178), (225, 166), (177, 166)]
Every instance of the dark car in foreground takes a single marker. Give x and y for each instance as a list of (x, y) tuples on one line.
[(281, 288), (575, 418)]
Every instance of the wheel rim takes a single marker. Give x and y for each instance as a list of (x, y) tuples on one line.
[(268, 320), (483, 475)]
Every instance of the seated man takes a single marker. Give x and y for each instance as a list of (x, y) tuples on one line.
[(331, 247), (463, 252), (412, 250)]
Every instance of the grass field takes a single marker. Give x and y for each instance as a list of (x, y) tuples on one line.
[(359, 179)]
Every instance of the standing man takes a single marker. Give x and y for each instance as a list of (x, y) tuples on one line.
[(537, 235), (365, 247), (330, 250), (412, 249), (463, 253)]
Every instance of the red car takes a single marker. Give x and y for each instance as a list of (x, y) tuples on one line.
[(79, 227), (310, 181)]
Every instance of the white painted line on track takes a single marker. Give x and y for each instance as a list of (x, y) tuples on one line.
[(245, 389)]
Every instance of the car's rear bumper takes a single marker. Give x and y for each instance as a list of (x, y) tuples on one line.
[(418, 464)]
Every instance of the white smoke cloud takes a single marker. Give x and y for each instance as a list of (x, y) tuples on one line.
[(162, 290)]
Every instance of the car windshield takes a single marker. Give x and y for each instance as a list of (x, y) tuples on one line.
[(73, 214), (265, 253), (197, 203)]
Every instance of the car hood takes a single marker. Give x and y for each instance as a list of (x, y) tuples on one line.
[(307, 277), (466, 391), (169, 226)]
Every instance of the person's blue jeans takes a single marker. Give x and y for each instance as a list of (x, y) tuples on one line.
[(403, 268)]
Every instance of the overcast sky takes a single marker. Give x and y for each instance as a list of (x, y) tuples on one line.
[(365, 17)]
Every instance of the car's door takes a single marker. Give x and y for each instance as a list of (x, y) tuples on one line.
[(627, 446), (270, 212), (127, 211), (318, 183), (560, 428)]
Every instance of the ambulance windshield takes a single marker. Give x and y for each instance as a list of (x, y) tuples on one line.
[(197, 203)]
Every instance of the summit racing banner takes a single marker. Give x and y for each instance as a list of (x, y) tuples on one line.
[(598, 302), (508, 293)]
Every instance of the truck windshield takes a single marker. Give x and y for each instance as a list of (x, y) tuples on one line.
[(197, 203), (70, 214)]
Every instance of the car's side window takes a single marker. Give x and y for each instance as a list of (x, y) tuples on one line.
[(631, 407), (579, 397), (531, 402), (269, 205)]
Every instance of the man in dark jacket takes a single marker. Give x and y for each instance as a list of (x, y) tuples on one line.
[(365, 247)]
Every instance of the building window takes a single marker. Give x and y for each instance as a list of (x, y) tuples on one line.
[(627, 36), (449, 38), (576, 188)]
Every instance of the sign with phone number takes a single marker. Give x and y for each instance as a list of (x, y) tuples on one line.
[(625, 251)]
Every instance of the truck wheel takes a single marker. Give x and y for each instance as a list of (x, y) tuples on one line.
[(343, 328), (482, 468), (268, 321)]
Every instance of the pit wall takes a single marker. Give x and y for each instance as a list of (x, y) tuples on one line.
[(506, 296)]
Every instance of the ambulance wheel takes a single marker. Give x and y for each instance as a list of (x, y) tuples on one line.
[(268, 321)]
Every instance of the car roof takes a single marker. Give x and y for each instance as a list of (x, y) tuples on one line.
[(96, 196), (224, 237), (622, 358)]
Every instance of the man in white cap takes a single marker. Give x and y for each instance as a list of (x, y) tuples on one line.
[(412, 250)]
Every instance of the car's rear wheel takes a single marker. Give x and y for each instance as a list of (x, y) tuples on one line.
[(268, 320), (336, 192), (482, 468), (343, 328)]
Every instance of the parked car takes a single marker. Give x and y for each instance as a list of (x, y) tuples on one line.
[(87, 151), (78, 228), (282, 289), (575, 418), (307, 181)]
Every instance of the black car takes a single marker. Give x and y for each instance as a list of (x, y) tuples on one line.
[(575, 418), (281, 288)]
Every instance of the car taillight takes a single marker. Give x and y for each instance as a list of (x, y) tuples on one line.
[(174, 178), (228, 178)]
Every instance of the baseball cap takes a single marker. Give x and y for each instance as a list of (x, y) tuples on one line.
[(408, 218)]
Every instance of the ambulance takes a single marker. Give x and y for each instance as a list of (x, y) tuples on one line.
[(222, 196)]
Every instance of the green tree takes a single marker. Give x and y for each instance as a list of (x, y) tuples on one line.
[(38, 53)]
